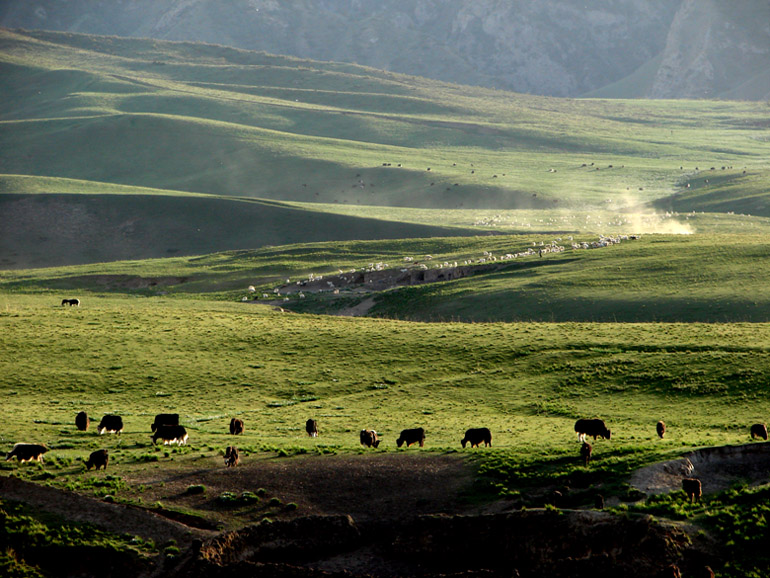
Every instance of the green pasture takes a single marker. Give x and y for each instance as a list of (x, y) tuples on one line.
[(699, 277), (210, 361)]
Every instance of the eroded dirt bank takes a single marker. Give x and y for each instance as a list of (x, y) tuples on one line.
[(717, 468), (535, 543)]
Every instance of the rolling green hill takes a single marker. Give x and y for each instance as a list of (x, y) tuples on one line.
[(181, 117)]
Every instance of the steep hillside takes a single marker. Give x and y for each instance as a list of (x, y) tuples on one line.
[(717, 50)]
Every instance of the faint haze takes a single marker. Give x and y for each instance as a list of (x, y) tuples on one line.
[(605, 48)]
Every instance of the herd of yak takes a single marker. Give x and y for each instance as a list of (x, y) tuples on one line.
[(166, 428)]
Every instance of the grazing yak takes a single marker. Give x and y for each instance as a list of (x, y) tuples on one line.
[(165, 419), (759, 430), (660, 427), (591, 427), (477, 436), (585, 452), (236, 426), (27, 452), (311, 427), (110, 424), (170, 434), (98, 459), (81, 421), (70, 302), (369, 438), (232, 458), (411, 436), (692, 488)]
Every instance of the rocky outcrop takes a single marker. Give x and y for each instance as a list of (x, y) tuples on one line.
[(716, 49)]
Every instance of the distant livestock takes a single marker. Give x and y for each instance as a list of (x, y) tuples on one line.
[(660, 427), (27, 452), (311, 427), (81, 421), (170, 434), (477, 436), (411, 436), (98, 459), (585, 452), (692, 488), (110, 424), (236, 426), (369, 438), (165, 419), (70, 302), (591, 427), (759, 430), (232, 458)]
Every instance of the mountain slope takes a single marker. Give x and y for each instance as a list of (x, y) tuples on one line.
[(554, 47)]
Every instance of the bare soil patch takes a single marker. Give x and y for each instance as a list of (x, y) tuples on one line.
[(367, 487)]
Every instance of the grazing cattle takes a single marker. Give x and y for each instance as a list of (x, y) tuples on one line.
[(591, 427), (110, 424), (411, 436), (81, 421), (311, 427), (477, 436), (26, 452), (236, 426), (599, 502), (585, 452), (660, 427), (692, 488), (232, 458), (165, 419), (170, 434), (98, 459), (70, 302), (369, 438), (705, 572), (759, 430)]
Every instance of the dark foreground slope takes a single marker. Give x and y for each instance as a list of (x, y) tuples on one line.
[(69, 229)]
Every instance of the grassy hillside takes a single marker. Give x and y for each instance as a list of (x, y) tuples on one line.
[(49, 221), (211, 361), (673, 278)]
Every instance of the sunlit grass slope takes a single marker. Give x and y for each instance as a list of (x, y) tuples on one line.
[(212, 361), (217, 120)]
